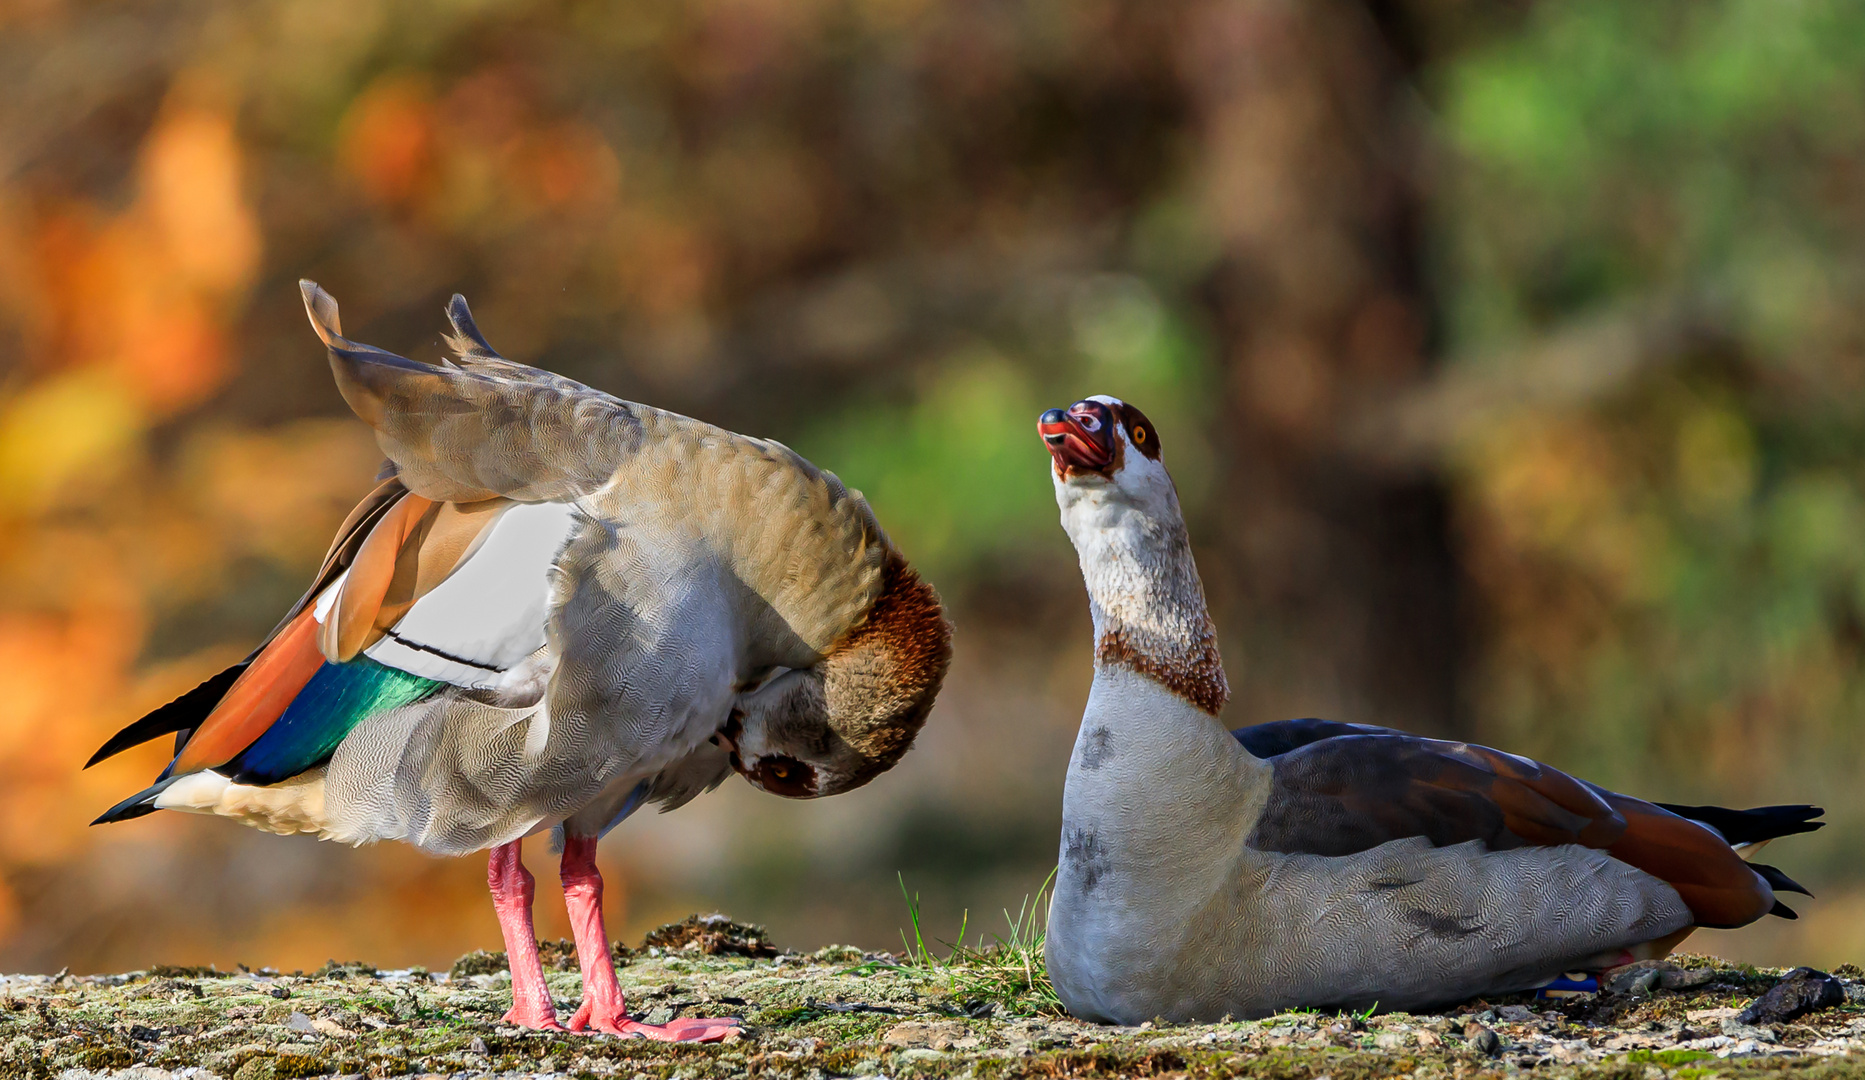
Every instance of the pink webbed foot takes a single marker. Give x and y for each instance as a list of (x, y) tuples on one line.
[(616, 1022), (531, 1018), (688, 1030)]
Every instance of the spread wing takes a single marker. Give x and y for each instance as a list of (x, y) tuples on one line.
[(1342, 789), (480, 427), (181, 716)]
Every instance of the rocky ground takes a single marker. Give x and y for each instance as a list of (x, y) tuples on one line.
[(839, 1012)]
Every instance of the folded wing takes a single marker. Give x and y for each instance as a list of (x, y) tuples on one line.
[(1341, 789), (414, 596)]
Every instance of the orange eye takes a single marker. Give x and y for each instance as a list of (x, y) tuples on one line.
[(1139, 436), (781, 772)]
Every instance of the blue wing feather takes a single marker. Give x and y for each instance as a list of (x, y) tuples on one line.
[(338, 697)]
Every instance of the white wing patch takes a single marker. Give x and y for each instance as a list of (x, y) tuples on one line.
[(328, 598), (489, 614)]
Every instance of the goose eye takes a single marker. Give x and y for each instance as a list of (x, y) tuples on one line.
[(1139, 436), (785, 776)]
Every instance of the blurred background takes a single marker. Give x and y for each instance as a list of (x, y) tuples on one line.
[(1510, 358)]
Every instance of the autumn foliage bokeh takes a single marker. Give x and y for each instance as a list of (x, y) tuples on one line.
[(1508, 358)]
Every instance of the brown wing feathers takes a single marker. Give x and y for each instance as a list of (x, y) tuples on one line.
[(1720, 889), (1339, 795), (411, 548), (1546, 806), (352, 624), (185, 713)]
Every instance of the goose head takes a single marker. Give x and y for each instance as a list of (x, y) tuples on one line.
[(1121, 511), (1108, 471), (779, 740), (840, 723)]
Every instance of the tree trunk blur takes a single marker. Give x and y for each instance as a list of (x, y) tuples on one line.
[(1336, 581)]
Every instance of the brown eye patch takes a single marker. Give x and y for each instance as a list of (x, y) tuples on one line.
[(785, 776), (1140, 431)]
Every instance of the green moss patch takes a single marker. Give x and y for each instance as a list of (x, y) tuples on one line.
[(983, 1015)]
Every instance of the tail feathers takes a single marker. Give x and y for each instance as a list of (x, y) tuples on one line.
[(1752, 826), (137, 805), (1778, 881), (180, 715), (1783, 911)]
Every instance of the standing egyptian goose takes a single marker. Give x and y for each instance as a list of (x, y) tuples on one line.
[(559, 607), (1207, 873)]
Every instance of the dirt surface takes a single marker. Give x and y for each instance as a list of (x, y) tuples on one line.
[(839, 1012)]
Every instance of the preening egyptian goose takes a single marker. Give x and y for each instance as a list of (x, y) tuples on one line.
[(1207, 873), (558, 607)]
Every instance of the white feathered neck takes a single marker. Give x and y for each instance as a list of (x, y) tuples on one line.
[(1144, 591)]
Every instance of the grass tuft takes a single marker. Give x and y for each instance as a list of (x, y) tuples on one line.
[(1008, 971)]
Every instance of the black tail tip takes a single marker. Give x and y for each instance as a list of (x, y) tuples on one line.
[(1778, 881), (1755, 824), (1782, 910), (138, 805)]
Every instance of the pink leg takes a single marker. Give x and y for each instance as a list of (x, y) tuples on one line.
[(512, 889), (604, 1008)]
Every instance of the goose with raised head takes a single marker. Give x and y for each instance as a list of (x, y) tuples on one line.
[(1208, 873), (557, 608)]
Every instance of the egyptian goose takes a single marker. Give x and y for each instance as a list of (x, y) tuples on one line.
[(1207, 873), (559, 606)]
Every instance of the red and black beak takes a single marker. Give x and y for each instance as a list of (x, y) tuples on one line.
[(726, 738), (1082, 437)]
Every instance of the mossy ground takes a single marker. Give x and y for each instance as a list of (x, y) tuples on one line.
[(838, 1012)]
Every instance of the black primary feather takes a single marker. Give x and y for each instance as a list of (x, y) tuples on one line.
[(137, 805), (182, 714), (1752, 826), (1778, 881)]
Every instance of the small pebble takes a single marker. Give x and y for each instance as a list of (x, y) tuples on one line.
[(1736, 1029), (1482, 1039), (920, 1054)]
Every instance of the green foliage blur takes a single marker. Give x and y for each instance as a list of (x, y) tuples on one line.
[(1668, 544)]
